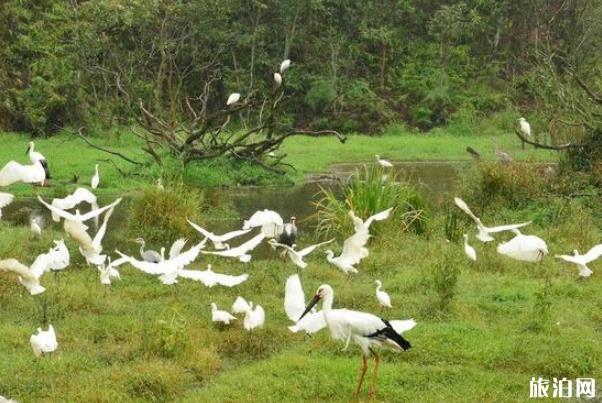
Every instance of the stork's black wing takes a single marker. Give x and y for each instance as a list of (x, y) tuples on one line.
[(388, 332)]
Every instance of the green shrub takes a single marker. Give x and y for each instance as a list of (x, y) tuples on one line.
[(161, 214), (367, 193)]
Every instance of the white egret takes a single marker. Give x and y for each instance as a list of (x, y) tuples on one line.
[(218, 240), (80, 195), (167, 269), (297, 256), (220, 316), (159, 185), (78, 216), (469, 250), (95, 179), (5, 400), (109, 272), (14, 172), (383, 163), (277, 80), (241, 251), (56, 259), (36, 157), (484, 232), (210, 278), (360, 225), (526, 248), (525, 127), (149, 255), (44, 341), (365, 329), (35, 227), (5, 200), (285, 65), (27, 278), (383, 298), (254, 318), (271, 223), (294, 305), (582, 260), (233, 98), (240, 305), (354, 250)]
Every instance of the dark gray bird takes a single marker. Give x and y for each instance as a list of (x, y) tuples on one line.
[(288, 236)]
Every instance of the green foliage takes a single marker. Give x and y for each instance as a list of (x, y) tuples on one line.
[(445, 279), (161, 214), (369, 191)]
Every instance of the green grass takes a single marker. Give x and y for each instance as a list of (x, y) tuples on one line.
[(69, 155), (141, 341)]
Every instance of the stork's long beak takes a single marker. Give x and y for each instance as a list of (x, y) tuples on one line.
[(311, 304), (27, 152)]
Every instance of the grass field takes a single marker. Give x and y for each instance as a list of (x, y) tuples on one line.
[(69, 155), (141, 341)]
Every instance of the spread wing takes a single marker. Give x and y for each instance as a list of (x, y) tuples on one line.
[(233, 234), (176, 247), (15, 266), (310, 249), (383, 215), (464, 207), (509, 227), (593, 254), (240, 305), (83, 217), (203, 231), (146, 267), (353, 248), (294, 298), (6, 199)]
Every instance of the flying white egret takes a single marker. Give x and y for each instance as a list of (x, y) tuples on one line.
[(297, 256), (27, 278), (360, 225), (220, 316), (233, 98), (35, 227), (383, 163), (285, 65), (91, 250), (149, 255), (484, 232), (80, 195), (14, 172), (525, 127), (167, 269), (36, 157), (354, 250), (383, 298), (95, 179), (218, 240), (56, 259), (294, 305), (469, 250), (271, 223), (526, 248), (582, 260), (44, 341), (277, 80), (241, 251), (210, 278), (109, 272), (78, 216), (5, 200), (365, 329)]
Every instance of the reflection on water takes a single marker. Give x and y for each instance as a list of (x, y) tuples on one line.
[(436, 179)]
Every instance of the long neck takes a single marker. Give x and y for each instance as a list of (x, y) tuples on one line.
[(378, 285), (327, 304), (142, 248)]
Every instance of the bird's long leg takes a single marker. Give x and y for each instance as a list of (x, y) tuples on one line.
[(364, 368), (374, 374)]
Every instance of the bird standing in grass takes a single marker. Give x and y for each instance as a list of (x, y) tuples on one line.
[(95, 179), (220, 316), (469, 250), (44, 341), (35, 227), (383, 298), (383, 163), (365, 329), (36, 157)]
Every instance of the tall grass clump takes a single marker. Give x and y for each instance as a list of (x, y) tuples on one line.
[(445, 279), (368, 191), (161, 214)]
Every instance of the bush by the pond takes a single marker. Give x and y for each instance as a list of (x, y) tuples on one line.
[(369, 191), (161, 214)]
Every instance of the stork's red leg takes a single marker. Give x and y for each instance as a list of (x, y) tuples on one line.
[(364, 368), (374, 375)]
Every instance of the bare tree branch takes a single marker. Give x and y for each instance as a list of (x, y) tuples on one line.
[(116, 153)]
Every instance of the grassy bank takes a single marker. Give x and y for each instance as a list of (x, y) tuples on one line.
[(69, 156), (141, 341)]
